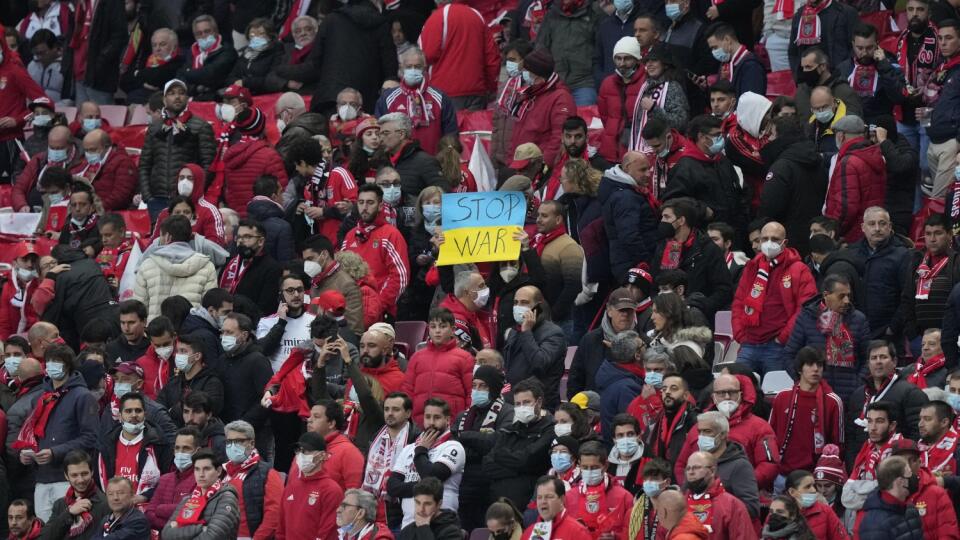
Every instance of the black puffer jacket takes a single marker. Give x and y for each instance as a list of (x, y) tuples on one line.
[(164, 155), (706, 271), (715, 184), (444, 526), (108, 36), (254, 71), (248, 372), (903, 172), (212, 75), (82, 294), (418, 170), (795, 187), (206, 381), (353, 48), (520, 455), (882, 279)]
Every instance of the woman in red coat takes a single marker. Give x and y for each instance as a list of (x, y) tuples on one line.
[(209, 221), (820, 518), (441, 369), (16, 313)]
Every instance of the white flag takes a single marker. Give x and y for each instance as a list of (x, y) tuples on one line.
[(129, 277), (481, 167)]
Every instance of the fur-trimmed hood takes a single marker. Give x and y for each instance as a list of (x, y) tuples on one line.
[(695, 337)]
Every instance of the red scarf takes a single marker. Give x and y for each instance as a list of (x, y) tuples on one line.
[(364, 230), (753, 303), (420, 114), (941, 456), (926, 274), (541, 240), (176, 123), (870, 455), (240, 470), (132, 49), (666, 430), (509, 95), (36, 425), (88, 225), (299, 8), (200, 56), (840, 349), (569, 7), (324, 274), (809, 29), (921, 369), (818, 414), (702, 505), (35, 529), (871, 395), (783, 10), (673, 252), (528, 95), (534, 16), (919, 70), (864, 78), (154, 61), (593, 511), (83, 521), (726, 68), (299, 54), (233, 274), (192, 511)]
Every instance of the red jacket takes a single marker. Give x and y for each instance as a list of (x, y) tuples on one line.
[(754, 434), (17, 89), (244, 162), (344, 463), (465, 321), (372, 307), (730, 517), (791, 279), (443, 371), (936, 509), (116, 180), (616, 514), (171, 489), (340, 187), (309, 508), (156, 372), (10, 315), (385, 252), (858, 181), (689, 528), (209, 219), (31, 174), (614, 94), (542, 122), (824, 522), (565, 527), (832, 424), (388, 375), (442, 111), (458, 44)]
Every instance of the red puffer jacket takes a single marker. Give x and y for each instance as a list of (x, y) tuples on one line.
[(936, 511), (460, 51), (791, 279), (444, 371), (116, 181), (10, 314), (372, 306), (858, 181), (824, 523), (610, 102), (244, 162), (542, 121)]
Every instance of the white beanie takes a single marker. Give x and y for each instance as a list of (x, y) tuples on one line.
[(628, 45)]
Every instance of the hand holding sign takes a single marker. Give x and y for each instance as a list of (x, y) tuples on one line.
[(481, 227)]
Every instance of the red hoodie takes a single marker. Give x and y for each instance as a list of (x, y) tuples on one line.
[(243, 163), (460, 51), (936, 509), (11, 315), (385, 251), (309, 507), (209, 219), (662, 165), (16, 90), (754, 434), (156, 372), (344, 464)]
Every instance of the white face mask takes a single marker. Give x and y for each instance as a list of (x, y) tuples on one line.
[(771, 249), (524, 413), (507, 273), (226, 112), (281, 125), (185, 187), (346, 112), (727, 407), (312, 268), (305, 463), (561, 430), (482, 296), (164, 352)]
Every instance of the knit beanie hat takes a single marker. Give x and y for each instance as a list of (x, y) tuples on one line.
[(570, 442), (540, 63), (493, 379), (830, 466), (628, 45), (250, 122)]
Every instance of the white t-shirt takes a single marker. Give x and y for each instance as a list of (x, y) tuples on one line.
[(296, 331), (451, 454)]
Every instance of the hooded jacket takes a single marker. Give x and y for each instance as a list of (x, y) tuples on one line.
[(171, 489), (935, 507), (689, 528), (795, 186), (221, 517), (628, 220), (734, 470), (11, 315), (824, 524), (806, 332), (713, 182), (859, 181), (444, 371), (542, 123), (164, 154), (617, 387), (754, 434), (206, 381), (279, 240), (174, 269), (82, 294), (244, 162), (209, 219), (843, 263), (885, 520), (791, 279), (619, 504)]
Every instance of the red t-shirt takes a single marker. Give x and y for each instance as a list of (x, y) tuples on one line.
[(126, 465)]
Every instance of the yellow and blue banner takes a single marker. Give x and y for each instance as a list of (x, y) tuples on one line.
[(479, 227)]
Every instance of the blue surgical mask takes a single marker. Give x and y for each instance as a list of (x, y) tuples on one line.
[(480, 397), (391, 195), (513, 69), (412, 76), (182, 361), (527, 77), (561, 462), (182, 460), (717, 145), (206, 43), (953, 400), (11, 363), (92, 157), (56, 154), (55, 198), (823, 116), (119, 389), (956, 172), (228, 342), (653, 378), (90, 124), (352, 394), (627, 446), (431, 212), (42, 120), (55, 370), (258, 43), (134, 429), (622, 5), (720, 54), (236, 453), (519, 312), (706, 444), (807, 500), (592, 477), (673, 11), (651, 488)]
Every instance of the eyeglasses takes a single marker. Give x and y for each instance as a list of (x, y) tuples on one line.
[(247, 237), (293, 290), (726, 393)]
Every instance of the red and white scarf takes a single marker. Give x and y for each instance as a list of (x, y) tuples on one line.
[(871, 395), (91, 170), (233, 274), (923, 368), (673, 252), (840, 347), (192, 511), (540, 240), (918, 71), (81, 522), (299, 8), (382, 455), (593, 511), (420, 108), (200, 56), (940, 457), (36, 528), (509, 94), (155, 61), (864, 79), (176, 124), (324, 274), (528, 95), (364, 230), (701, 505), (657, 91), (870, 455), (35, 427), (783, 10), (239, 471), (753, 303), (534, 16), (810, 28), (88, 224), (926, 274), (819, 412), (726, 68)]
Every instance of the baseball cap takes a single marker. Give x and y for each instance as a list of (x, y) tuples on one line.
[(331, 301), (523, 154), (42, 101), (622, 298), (587, 400), (24, 248), (312, 442), (130, 368), (174, 82)]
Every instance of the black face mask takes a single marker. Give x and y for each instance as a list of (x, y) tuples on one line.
[(776, 522), (866, 60), (665, 230), (810, 78), (502, 535), (913, 485), (698, 486), (371, 361), (246, 252)]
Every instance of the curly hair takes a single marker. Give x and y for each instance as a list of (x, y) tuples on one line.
[(585, 177), (352, 264)]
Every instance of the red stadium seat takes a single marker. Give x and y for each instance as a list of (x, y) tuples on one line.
[(137, 221), (780, 83)]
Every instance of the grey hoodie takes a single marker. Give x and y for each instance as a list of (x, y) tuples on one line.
[(738, 477), (198, 244)]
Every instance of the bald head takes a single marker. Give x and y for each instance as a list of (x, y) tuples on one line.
[(637, 166), (42, 330), (59, 137), (96, 142), (705, 459), (774, 236), (821, 99), (671, 501), (29, 367)]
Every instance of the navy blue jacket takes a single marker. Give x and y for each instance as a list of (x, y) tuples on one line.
[(885, 521), (843, 380), (72, 426), (617, 388), (630, 224), (882, 278), (210, 335), (750, 76), (890, 86), (945, 119), (836, 39), (132, 526), (279, 239), (950, 330)]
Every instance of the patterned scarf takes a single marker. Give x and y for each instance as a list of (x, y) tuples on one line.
[(840, 349), (364, 230), (726, 68), (528, 95), (643, 519), (923, 368), (509, 95), (534, 16), (200, 56), (381, 457), (673, 252), (753, 304), (918, 70), (864, 78), (701, 505), (809, 29), (36, 425), (540, 240), (593, 511), (783, 10), (83, 521), (192, 511), (926, 274), (870, 455), (176, 124), (420, 112), (657, 91), (233, 274), (88, 224), (940, 457), (240, 470), (155, 61), (489, 421)]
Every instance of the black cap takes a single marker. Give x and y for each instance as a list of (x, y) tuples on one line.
[(493, 379), (569, 441), (312, 442)]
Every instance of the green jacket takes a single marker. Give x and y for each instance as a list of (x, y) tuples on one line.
[(570, 39)]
